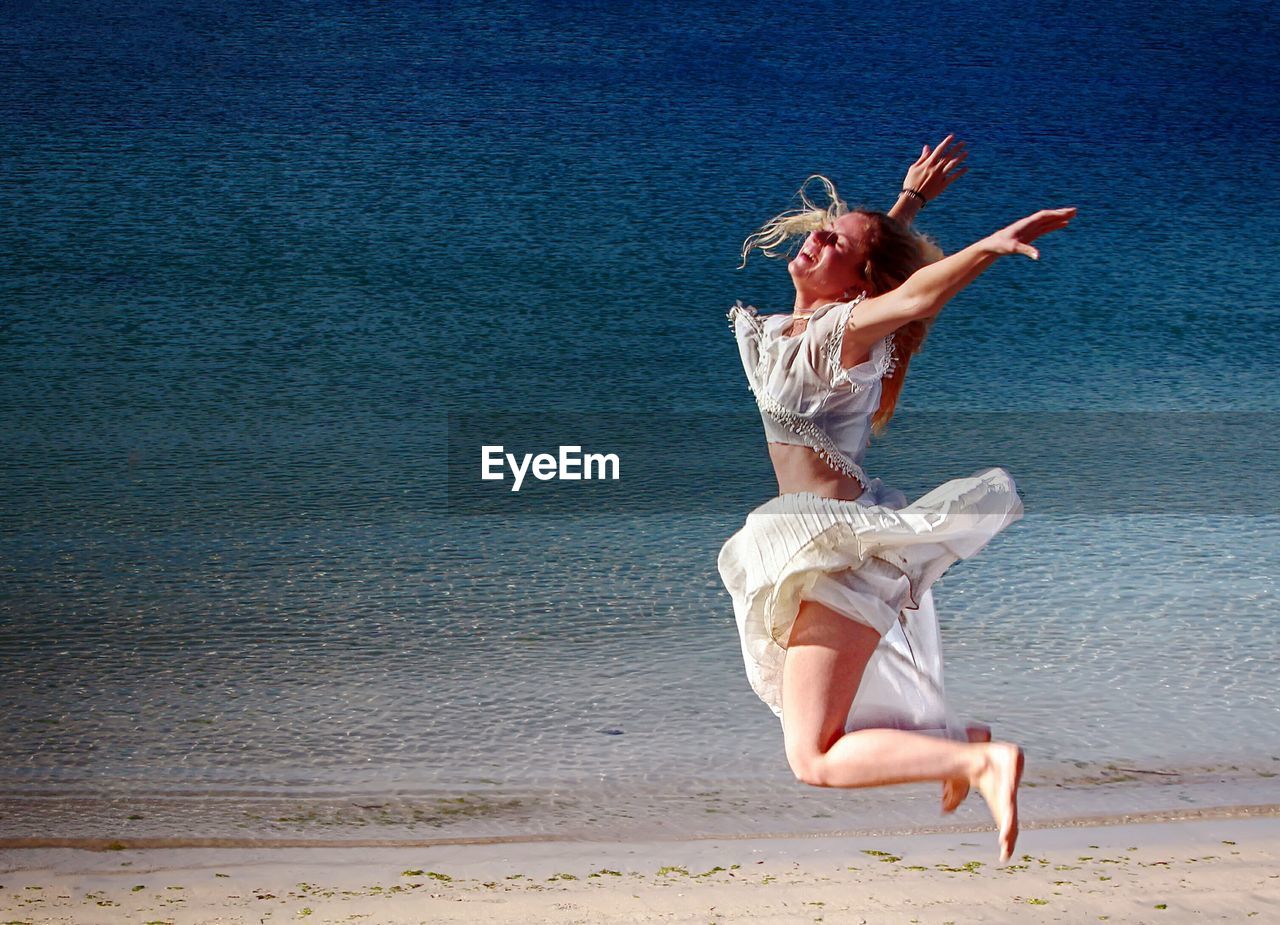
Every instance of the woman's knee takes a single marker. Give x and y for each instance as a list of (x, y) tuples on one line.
[(808, 764)]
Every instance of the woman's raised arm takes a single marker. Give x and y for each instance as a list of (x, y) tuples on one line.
[(927, 290), (932, 173)]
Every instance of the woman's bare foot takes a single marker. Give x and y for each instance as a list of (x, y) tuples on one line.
[(998, 783), (955, 790)]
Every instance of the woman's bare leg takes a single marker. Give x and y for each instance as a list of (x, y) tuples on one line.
[(826, 656)]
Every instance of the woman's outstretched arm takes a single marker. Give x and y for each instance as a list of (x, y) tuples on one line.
[(932, 173), (927, 290)]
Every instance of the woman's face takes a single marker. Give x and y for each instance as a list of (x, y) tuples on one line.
[(829, 265)]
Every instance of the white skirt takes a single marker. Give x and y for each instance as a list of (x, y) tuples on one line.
[(873, 560)]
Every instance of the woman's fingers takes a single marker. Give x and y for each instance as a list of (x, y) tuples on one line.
[(1046, 220), (1038, 231), (1017, 238), (942, 146), (945, 160), (938, 166), (1034, 226), (1057, 220), (1051, 213), (1050, 221)]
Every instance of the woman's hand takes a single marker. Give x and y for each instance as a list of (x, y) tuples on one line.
[(935, 170), (1017, 238)]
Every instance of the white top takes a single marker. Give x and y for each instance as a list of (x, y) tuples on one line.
[(805, 396)]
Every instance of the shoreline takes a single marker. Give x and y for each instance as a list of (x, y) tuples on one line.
[(1246, 811), (603, 811), (1130, 871)]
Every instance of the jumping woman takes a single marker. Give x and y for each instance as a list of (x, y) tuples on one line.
[(831, 579)]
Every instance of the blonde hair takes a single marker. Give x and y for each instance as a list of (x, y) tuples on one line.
[(795, 222), (893, 251)]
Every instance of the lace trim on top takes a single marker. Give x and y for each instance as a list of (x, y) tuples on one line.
[(885, 361), (818, 438), (748, 312), (798, 424), (891, 356)]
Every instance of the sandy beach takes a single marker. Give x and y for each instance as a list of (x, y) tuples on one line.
[(1215, 867)]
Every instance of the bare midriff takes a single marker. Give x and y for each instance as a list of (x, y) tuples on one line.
[(800, 468)]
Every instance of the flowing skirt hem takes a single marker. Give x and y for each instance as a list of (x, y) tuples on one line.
[(789, 543)]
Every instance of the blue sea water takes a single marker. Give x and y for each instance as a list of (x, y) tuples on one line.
[(257, 260)]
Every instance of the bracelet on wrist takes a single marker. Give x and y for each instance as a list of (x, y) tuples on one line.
[(914, 194)]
